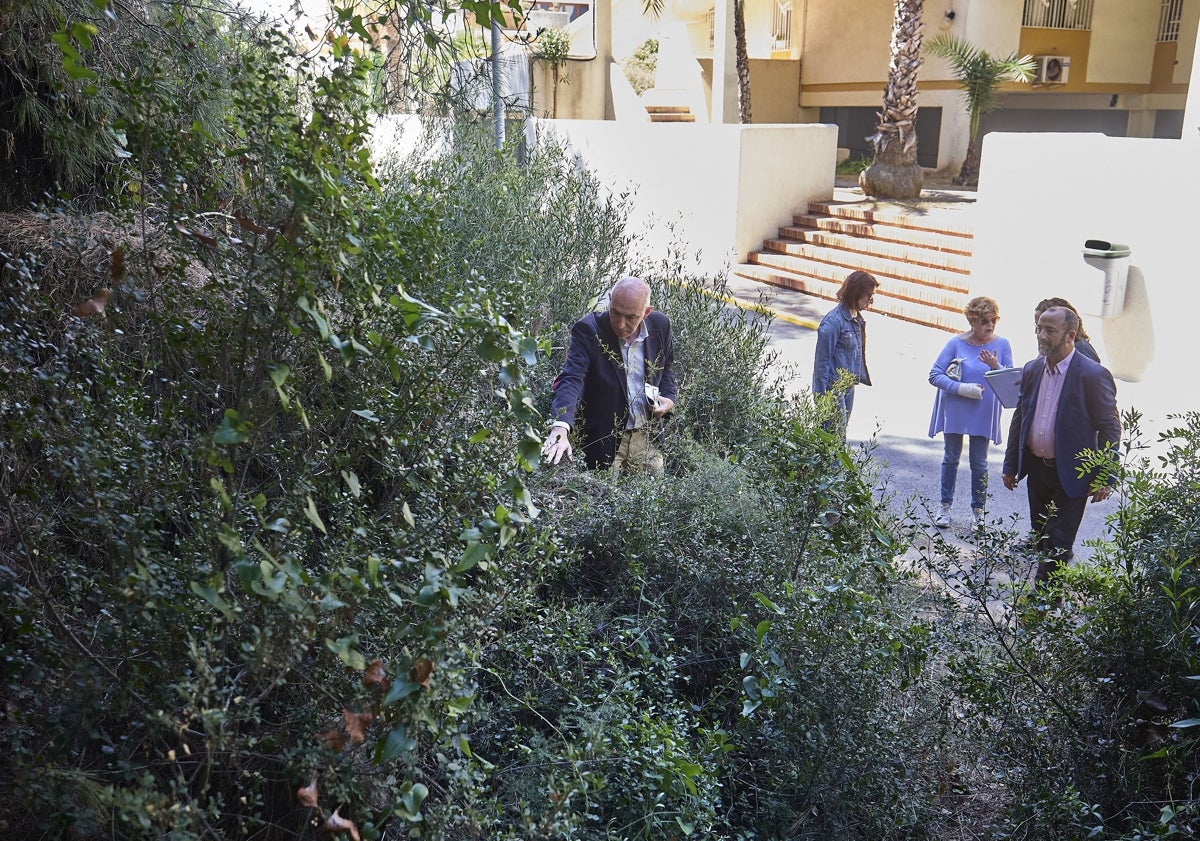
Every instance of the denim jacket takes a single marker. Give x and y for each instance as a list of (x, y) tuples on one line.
[(841, 344)]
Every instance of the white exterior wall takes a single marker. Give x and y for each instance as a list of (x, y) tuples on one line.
[(1042, 195), (1122, 47), (723, 188)]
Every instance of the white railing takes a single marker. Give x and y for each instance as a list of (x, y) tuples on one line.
[(1058, 14), (781, 26), (1168, 20)]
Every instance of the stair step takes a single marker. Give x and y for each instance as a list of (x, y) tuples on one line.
[(838, 264), (672, 118), (945, 222), (890, 285), (669, 109), (886, 233), (802, 241), (885, 304)]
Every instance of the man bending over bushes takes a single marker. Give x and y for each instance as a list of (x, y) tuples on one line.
[(619, 373)]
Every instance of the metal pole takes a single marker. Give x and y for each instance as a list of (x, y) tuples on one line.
[(497, 102)]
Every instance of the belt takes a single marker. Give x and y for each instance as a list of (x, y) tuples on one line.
[(1048, 462)]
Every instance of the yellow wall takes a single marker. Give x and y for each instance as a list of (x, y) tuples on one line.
[(774, 89), (1162, 78), (846, 42), (1122, 46), (992, 25), (1188, 24), (1076, 44)]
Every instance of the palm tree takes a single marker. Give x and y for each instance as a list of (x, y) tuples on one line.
[(980, 76), (742, 61), (894, 172)]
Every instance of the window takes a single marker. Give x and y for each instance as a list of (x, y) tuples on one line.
[(1058, 14), (1168, 20)]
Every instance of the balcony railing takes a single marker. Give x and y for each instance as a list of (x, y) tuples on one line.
[(1058, 14), (1168, 20), (781, 26)]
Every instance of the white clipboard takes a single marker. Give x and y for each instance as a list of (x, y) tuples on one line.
[(1006, 382)]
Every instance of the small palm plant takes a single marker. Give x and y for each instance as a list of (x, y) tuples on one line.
[(980, 76)]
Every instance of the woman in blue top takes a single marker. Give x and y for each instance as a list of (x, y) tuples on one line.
[(966, 405)]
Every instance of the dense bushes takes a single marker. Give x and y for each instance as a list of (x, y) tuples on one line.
[(275, 552)]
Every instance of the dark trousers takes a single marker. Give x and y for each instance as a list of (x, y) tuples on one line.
[(1055, 529)]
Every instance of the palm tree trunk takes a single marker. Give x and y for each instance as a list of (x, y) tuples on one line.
[(742, 60), (894, 172), (968, 174)]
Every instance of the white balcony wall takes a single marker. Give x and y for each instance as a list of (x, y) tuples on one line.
[(1042, 195), (713, 190)]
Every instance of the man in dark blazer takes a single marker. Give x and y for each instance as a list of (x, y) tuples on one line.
[(620, 374), (1067, 404)]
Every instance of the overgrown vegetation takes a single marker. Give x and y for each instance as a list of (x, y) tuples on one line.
[(277, 557), (640, 68)]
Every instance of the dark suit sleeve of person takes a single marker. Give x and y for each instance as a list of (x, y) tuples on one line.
[(1100, 394), (664, 365), (1012, 451), (1085, 347), (569, 390)]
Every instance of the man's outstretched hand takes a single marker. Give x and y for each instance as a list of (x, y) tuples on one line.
[(557, 445)]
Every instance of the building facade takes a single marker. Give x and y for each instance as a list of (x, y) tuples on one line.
[(1117, 67)]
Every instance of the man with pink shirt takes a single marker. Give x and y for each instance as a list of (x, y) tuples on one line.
[(1067, 404)]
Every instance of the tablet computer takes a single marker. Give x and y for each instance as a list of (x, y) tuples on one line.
[(1006, 382)]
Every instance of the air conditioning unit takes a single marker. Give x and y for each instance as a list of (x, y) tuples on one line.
[(1051, 69)]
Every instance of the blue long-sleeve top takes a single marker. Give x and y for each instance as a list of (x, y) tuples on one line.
[(965, 415)]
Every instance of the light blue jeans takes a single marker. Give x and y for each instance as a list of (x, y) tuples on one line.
[(978, 460)]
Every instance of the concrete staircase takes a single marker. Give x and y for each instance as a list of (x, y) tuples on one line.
[(670, 114), (919, 254)]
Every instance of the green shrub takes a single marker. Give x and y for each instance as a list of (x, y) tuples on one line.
[(853, 166), (640, 68)]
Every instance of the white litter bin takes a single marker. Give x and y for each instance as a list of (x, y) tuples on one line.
[(1107, 298)]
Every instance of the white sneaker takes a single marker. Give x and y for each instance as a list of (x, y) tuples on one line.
[(980, 517), (943, 519)]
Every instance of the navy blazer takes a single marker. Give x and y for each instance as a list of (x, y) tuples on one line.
[(593, 380), (1087, 418)]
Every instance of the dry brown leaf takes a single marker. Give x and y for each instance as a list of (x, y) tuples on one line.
[(335, 823), (118, 263), (249, 224), (308, 795), (94, 306), (356, 724), (336, 739), (421, 672), (376, 677)]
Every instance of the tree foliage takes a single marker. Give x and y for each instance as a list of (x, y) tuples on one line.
[(278, 559), (980, 76)]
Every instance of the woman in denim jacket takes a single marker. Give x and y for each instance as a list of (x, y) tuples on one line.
[(842, 340)]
